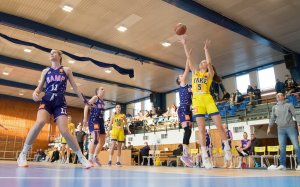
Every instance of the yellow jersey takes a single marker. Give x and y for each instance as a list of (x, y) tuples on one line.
[(71, 128), (119, 121), (201, 83)]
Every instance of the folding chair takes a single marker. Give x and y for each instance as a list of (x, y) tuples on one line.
[(273, 152), (290, 148), (259, 152)]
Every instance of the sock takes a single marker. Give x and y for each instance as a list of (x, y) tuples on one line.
[(91, 156), (185, 150), (25, 149), (118, 158), (226, 145), (109, 158), (204, 152), (79, 154)]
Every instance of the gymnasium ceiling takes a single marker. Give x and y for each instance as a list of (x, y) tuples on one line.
[(149, 22)]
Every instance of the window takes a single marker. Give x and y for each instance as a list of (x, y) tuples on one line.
[(145, 137), (130, 139), (106, 114), (238, 129), (266, 79), (177, 99), (137, 108), (242, 83), (148, 105)]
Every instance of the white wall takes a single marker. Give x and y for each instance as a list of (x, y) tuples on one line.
[(280, 72)]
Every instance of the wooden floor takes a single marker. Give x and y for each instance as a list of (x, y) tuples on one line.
[(48, 174)]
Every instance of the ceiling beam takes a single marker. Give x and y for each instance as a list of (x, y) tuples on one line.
[(33, 87), (48, 31), (33, 66), (216, 18)]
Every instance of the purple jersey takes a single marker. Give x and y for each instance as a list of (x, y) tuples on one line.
[(56, 81), (98, 110), (245, 143), (185, 95)]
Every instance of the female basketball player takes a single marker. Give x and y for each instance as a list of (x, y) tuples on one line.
[(54, 103), (184, 109), (64, 145), (116, 125), (203, 103), (96, 125)]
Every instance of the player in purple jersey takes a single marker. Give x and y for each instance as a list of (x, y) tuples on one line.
[(184, 111), (53, 103), (96, 125)]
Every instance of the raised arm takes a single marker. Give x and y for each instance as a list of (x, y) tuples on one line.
[(208, 59), (187, 53), (39, 88)]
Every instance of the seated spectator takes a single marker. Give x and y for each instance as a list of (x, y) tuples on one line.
[(244, 148), (250, 93), (279, 86), (290, 85), (55, 155), (130, 147), (255, 143), (145, 152), (257, 95), (226, 96)]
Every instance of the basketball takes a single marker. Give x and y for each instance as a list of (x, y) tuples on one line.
[(180, 29)]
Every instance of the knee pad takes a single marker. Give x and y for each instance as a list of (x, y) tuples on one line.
[(187, 135), (96, 141)]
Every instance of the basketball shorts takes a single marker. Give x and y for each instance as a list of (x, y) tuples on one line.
[(117, 134), (204, 104), (96, 125), (184, 113), (54, 104)]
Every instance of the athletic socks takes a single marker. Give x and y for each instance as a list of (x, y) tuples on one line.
[(226, 145), (204, 152), (91, 156), (118, 158), (25, 149), (185, 150)]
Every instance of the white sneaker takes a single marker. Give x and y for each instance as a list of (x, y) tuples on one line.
[(206, 163), (86, 164), (273, 167), (22, 161), (298, 168)]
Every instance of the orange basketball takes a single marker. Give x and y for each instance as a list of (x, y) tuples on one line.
[(180, 29)]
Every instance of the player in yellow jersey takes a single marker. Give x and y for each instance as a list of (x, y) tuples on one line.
[(116, 125), (203, 103), (64, 145)]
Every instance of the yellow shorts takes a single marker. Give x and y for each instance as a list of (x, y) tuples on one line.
[(117, 135), (204, 104), (63, 140)]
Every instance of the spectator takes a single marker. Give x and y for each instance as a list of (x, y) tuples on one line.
[(226, 96), (81, 138), (255, 143), (130, 147), (290, 85), (55, 155), (257, 95), (238, 97), (145, 152), (283, 114), (279, 87)]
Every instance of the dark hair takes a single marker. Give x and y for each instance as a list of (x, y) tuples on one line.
[(216, 77), (177, 80)]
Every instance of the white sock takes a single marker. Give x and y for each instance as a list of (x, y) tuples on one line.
[(25, 149), (109, 158), (79, 153), (118, 158), (204, 152), (91, 156), (185, 150), (226, 145)]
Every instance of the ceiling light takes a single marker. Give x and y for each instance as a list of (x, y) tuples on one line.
[(107, 71), (5, 73), (27, 50), (71, 61), (270, 93), (166, 44), (21, 93), (67, 8), (122, 28)]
